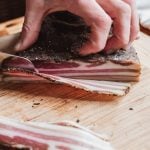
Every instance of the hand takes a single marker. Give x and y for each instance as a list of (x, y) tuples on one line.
[(99, 14)]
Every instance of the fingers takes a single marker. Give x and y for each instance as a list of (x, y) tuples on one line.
[(134, 33), (99, 21), (120, 12), (98, 14), (32, 24)]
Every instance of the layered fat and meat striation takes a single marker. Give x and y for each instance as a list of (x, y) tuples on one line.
[(56, 53), (54, 57), (15, 135)]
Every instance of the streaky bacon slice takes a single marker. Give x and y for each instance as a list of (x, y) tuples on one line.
[(15, 135)]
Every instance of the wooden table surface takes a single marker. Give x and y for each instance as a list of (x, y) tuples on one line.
[(125, 121)]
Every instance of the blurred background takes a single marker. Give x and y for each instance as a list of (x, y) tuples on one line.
[(10, 9)]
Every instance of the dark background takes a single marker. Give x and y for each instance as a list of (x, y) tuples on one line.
[(10, 9)]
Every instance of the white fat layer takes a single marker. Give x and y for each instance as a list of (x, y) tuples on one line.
[(93, 88), (105, 85), (89, 85), (107, 82), (67, 125)]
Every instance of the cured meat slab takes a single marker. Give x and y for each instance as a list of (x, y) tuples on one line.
[(54, 57), (121, 66), (16, 135), (15, 68), (56, 53)]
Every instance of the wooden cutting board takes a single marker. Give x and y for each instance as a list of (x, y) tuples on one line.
[(125, 121)]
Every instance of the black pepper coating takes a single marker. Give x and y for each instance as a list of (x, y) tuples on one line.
[(61, 37)]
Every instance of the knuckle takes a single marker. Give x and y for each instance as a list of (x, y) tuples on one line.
[(130, 2), (26, 27), (104, 22), (29, 26), (125, 10), (107, 20)]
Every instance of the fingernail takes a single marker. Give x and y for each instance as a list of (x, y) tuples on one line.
[(128, 46), (138, 36), (109, 51), (18, 46)]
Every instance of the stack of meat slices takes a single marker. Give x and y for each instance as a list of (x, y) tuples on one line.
[(15, 68), (54, 57), (122, 66)]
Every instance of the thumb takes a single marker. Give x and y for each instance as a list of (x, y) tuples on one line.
[(30, 30)]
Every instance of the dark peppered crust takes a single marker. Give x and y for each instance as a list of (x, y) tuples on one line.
[(62, 35)]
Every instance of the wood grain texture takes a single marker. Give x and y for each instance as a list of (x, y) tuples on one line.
[(126, 120)]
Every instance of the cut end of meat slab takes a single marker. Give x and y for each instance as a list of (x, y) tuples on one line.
[(15, 135), (121, 66), (108, 90)]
